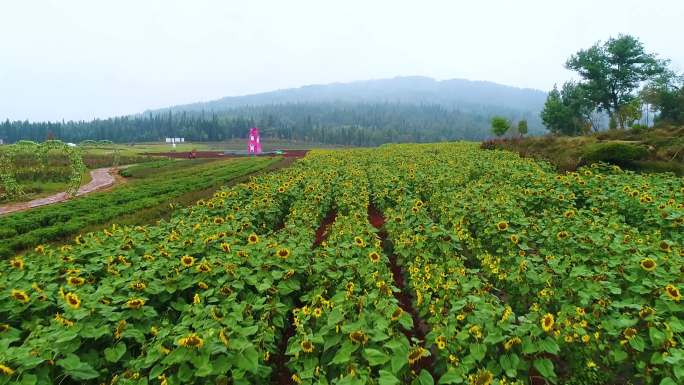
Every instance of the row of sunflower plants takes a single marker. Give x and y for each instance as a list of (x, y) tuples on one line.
[(350, 328), (608, 292), (585, 285), (199, 298), (467, 321)]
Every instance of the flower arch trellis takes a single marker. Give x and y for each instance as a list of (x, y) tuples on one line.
[(12, 189), (103, 143)]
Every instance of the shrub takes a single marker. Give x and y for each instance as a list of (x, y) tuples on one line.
[(615, 152)]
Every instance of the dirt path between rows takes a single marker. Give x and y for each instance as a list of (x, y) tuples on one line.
[(100, 178)]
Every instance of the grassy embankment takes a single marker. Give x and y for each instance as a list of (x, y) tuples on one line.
[(651, 150), (153, 191)]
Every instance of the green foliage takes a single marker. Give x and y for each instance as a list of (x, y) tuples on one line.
[(22, 230), (522, 127), (356, 124), (12, 189), (514, 270), (500, 125), (615, 152), (567, 111), (666, 95), (613, 71)]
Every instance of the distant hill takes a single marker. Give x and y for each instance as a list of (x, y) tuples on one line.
[(456, 93), (363, 113)]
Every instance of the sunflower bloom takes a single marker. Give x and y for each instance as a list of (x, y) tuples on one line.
[(135, 303), (416, 354), (629, 333), (191, 341), (20, 295), (673, 292), (72, 300), (502, 226), (547, 322), (75, 281), (307, 346), (648, 264), (17, 263), (6, 370), (374, 256), (203, 268), (187, 260), (253, 239), (441, 342), (397, 313), (482, 377), (358, 337), (283, 253)]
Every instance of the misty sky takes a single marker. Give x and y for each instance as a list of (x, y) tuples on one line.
[(81, 59)]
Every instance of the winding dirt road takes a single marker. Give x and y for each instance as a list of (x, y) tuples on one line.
[(100, 178)]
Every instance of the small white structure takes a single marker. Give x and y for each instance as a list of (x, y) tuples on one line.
[(173, 141)]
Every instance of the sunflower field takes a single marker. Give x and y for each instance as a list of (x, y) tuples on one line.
[(404, 264)]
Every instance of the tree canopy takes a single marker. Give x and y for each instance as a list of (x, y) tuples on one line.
[(613, 71)]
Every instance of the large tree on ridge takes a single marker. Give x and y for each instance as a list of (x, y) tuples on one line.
[(613, 71)]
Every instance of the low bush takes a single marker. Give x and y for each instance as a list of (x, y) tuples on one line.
[(620, 153)]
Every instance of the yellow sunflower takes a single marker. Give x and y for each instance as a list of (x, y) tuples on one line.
[(648, 264), (17, 263), (75, 281), (629, 333), (374, 256), (135, 303), (547, 322), (502, 226), (20, 295), (72, 300), (252, 239), (203, 267), (673, 292), (416, 354), (397, 313), (191, 341), (283, 253), (482, 377), (6, 370), (187, 260), (307, 346), (358, 337)]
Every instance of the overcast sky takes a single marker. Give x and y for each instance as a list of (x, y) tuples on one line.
[(81, 59)]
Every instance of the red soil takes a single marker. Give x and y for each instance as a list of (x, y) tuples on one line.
[(220, 154), (322, 231), (420, 328)]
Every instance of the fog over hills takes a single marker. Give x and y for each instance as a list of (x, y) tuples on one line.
[(455, 93)]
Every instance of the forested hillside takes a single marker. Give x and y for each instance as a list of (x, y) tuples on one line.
[(359, 113)]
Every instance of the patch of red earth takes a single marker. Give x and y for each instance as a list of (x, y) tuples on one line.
[(281, 375), (420, 328), (220, 154), (322, 231)]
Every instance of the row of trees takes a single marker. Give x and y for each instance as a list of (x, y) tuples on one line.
[(334, 123), (501, 125), (619, 80)]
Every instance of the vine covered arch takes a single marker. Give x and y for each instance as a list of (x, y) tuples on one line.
[(13, 189), (89, 143)]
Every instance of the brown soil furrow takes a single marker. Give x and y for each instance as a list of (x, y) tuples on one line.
[(420, 328)]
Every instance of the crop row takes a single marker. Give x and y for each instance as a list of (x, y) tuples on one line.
[(26, 229)]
